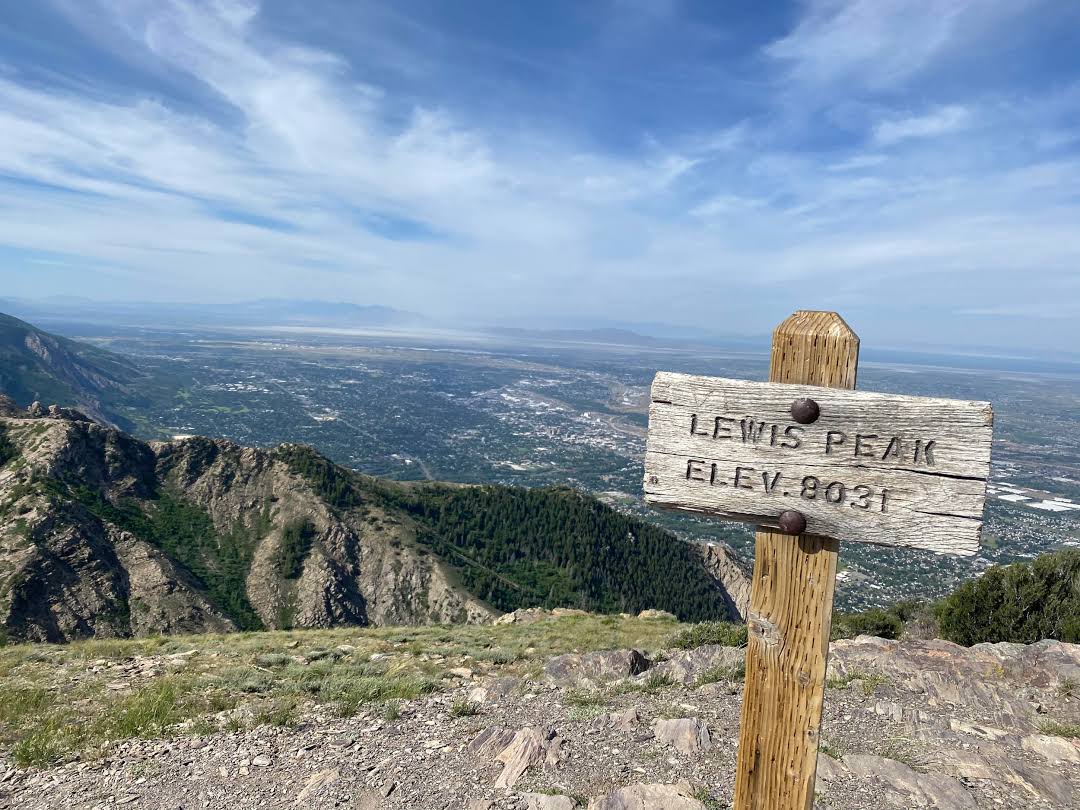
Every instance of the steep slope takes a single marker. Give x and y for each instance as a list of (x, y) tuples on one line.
[(36, 366), (102, 534)]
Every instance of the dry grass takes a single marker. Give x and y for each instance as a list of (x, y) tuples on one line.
[(1069, 731), (868, 681), (63, 700)]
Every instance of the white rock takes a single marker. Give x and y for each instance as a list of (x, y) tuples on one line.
[(648, 797), (1054, 749), (689, 735), (543, 801)]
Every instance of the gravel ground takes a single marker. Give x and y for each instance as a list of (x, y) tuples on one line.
[(918, 724)]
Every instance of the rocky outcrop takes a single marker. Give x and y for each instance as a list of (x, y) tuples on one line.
[(726, 567), (907, 785), (596, 667), (80, 555), (996, 679)]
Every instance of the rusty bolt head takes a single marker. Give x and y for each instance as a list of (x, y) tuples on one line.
[(805, 411), (792, 522)]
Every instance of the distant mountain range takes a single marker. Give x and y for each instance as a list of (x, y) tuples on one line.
[(263, 312)]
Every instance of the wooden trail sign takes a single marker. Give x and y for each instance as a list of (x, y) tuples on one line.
[(874, 468), (806, 453)]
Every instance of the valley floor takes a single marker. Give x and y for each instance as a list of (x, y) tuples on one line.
[(521, 715)]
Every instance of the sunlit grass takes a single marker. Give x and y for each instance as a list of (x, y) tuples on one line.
[(63, 700)]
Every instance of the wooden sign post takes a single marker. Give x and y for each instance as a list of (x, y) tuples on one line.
[(810, 461)]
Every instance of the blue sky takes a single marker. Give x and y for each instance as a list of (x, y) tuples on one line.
[(914, 164)]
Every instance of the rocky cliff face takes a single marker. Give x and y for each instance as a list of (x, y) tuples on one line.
[(105, 535), (88, 514), (722, 562)]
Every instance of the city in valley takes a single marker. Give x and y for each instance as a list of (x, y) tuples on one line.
[(483, 408)]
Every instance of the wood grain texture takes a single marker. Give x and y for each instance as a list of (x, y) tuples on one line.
[(888, 469), (790, 615)]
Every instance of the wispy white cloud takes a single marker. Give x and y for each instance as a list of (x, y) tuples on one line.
[(305, 176), (882, 43), (941, 121)]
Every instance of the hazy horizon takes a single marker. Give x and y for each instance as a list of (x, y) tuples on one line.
[(73, 315)]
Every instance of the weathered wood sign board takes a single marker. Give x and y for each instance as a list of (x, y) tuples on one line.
[(873, 468)]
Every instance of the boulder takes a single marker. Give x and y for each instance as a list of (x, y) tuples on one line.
[(544, 801), (919, 789), (491, 740), (689, 666), (627, 720), (609, 665), (648, 797), (316, 783), (828, 768), (688, 735), (530, 746), (493, 691), (663, 615)]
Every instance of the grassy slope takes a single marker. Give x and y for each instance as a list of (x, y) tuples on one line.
[(54, 705)]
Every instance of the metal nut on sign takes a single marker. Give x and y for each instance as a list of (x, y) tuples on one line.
[(805, 411), (792, 522)]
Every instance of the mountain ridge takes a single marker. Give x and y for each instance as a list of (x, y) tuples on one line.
[(38, 366), (102, 534)]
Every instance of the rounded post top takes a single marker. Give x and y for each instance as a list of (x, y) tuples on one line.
[(815, 323)]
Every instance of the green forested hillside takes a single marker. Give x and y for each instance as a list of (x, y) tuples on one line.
[(518, 548), (558, 547)]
